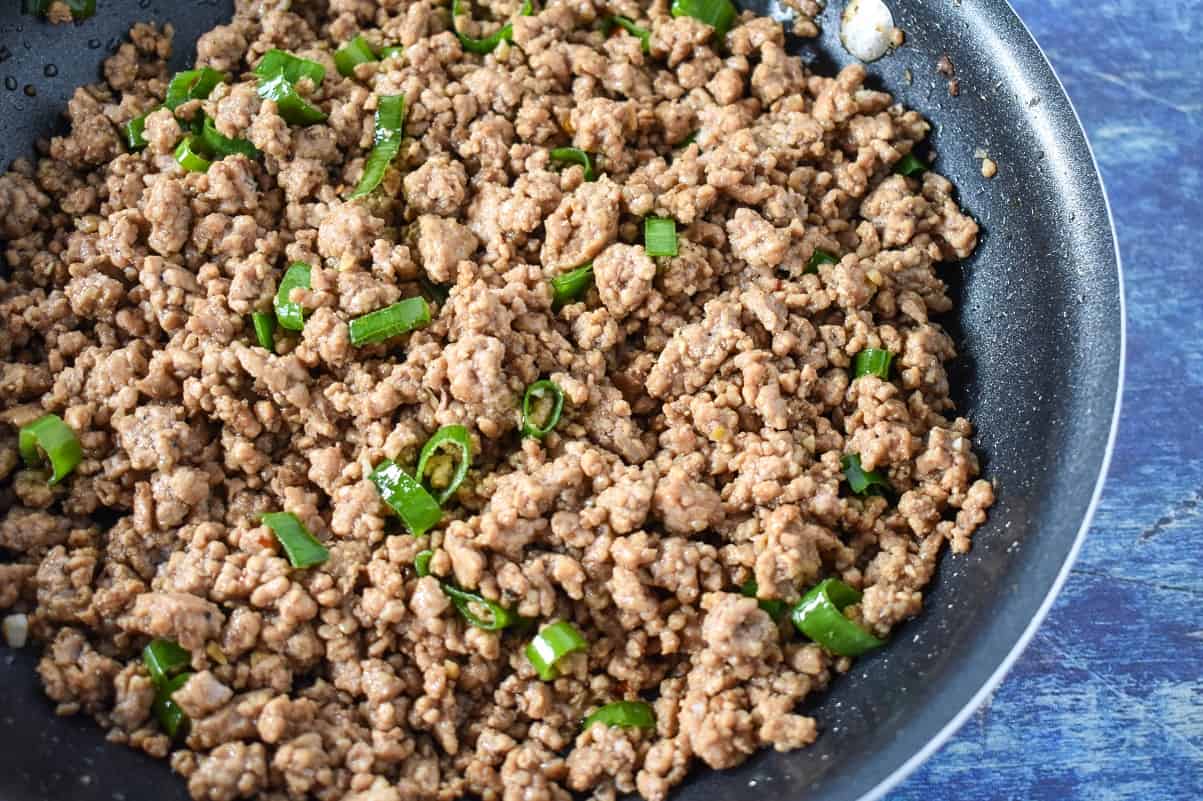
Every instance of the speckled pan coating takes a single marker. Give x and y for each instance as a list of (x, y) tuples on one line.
[(1040, 328)]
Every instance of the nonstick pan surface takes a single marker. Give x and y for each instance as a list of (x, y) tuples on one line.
[(1039, 324)]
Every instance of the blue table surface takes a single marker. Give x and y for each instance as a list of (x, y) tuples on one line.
[(1106, 704)]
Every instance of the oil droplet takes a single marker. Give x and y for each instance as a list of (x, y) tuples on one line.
[(50, 70), (30, 90), (10, 83)]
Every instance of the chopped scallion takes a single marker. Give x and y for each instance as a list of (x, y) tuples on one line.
[(861, 481), (458, 437), (574, 155), (265, 329), (195, 84), (164, 659), (188, 156), (569, 287), (687, 141), (391, 321), (289, 314), (660, 236), (406, 496), (543, 400), (489, 43), (352, 54), (818, 257), (820, 616), (295, 109), (173, 720), (49, 438), (219, 145), (718, 14), (422, 563), (167, 663), (468, 604), (301, 547), (135, 132), (775, 607), (292, 68), (874, 361), (388, 52), (628, 25), (390, 131), (909, 165), (551, 645), (624, 714), (434, 293)]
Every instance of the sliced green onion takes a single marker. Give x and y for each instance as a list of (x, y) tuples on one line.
[(447, 435), (553, 644), (220, 145), (265, 329), (195, 84), (909, 165), (292, 68), (574, 155), (390, 132), (569, 287), (687, 141), (352, 54), (291, 315), (391, 321), (295, 109), (489, 43), (406, 496), (535, 393), (820, 616), (135, 132), (660, 236), (49, 438), (498, 616), (388, 52), (874, 361), (630, 27), (819, 256), (775, 607), (301, 547), (435, 293), (422, 563), (187, 155), (624, 714), (862, 482), (164, 659), (718, 14), (173, 720)]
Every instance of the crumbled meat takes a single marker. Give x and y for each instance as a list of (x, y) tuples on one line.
[(708, 398)]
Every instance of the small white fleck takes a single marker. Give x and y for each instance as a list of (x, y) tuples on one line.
[(867, 29), (16, 630)]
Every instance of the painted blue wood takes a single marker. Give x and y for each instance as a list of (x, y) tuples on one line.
[(1107, 702)]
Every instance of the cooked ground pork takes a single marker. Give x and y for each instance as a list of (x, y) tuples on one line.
[(709, 398)]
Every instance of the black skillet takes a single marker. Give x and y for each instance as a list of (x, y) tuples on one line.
[(1039, 323)]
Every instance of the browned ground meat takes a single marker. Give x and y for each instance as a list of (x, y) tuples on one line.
[(709, 400)]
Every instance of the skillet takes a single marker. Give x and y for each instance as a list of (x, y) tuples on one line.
[(1038, 322)]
